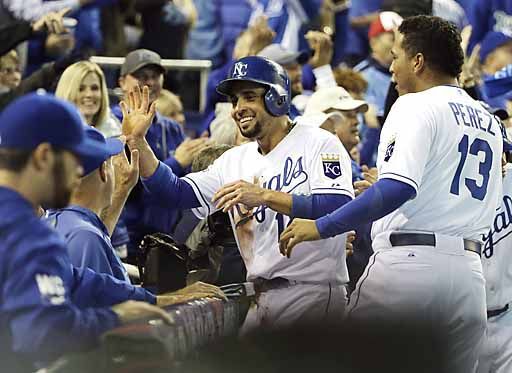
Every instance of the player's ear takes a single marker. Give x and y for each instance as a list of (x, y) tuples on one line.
[(103, 171), (418, 62)]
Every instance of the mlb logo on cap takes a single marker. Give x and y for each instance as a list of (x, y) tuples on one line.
[(240, 70), (331, 165)]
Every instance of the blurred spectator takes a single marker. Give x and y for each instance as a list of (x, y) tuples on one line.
[(369, 126), (290, 20), (318, 57), (144, 213), (168, 104), (495, 54), (48, 48), (32, 10), (353, 81), (165, 26), (10, 71), (328, 122), (43, 78), (327, 100), (375, 68), (489, 15), (113, 20), (361, 14), (83, 84), (292, 62)]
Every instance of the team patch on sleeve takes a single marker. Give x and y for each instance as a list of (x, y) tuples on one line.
[(389, 150), (51, 288), (331, 165)]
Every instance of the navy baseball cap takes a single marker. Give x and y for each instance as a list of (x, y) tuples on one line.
[(36, 118), (105, 148)]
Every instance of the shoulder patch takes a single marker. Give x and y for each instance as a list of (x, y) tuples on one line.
[(389, 150), (331, 165)]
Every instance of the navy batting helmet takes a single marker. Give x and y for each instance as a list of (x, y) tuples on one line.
[(263, 71)]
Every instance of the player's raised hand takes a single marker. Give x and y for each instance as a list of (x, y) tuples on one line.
[(51, 22), (298, 231), (137, 113), (249, 194), (126, 172), (188, 150), (322, 46)]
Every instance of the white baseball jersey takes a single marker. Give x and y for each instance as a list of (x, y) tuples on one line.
[(307, 161), (497, 251), (448, 148)]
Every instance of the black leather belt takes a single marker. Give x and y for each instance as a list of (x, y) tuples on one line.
[(262, 285), (427, 239), (495, 313)]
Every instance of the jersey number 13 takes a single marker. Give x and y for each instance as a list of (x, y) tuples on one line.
[(477, 146)]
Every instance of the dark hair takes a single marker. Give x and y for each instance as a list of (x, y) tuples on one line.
[(438, 40), (14, 159)]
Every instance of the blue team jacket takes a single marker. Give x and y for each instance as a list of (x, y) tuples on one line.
[(47, 306), (88, 241)]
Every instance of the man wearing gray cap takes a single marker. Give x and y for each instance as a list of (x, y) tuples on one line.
[(143, 213)]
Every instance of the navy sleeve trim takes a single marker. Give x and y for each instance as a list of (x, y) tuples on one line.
[(413, 183), (198, 192)]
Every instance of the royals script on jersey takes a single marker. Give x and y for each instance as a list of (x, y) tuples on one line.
[(497, 251), (448, 148), (307, 161)]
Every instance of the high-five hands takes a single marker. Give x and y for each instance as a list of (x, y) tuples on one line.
[(137, 113)]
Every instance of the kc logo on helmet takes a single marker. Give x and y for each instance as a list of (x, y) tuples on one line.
[(331, 165), (239, 70)]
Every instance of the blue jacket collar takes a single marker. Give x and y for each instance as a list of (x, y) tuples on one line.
[(88, 215)]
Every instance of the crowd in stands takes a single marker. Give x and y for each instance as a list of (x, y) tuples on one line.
[(337, 54)]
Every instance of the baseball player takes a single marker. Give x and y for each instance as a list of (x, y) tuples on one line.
[(496, 355), (288, 171), (439, 181)]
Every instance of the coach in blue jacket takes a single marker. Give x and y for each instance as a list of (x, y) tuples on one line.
[(48, 307), (84, 224)]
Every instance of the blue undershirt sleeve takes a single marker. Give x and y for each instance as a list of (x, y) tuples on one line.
[(173, 191), (175, 166), (383, 197), (316, 205)]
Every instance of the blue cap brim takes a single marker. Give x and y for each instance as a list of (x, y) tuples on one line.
[(93, 153)]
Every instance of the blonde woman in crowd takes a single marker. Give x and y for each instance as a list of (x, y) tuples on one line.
[(83, 83)]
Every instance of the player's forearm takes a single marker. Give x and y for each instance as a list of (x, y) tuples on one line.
[(380, 199), (278, 201), (111, 214), (148, 162)]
